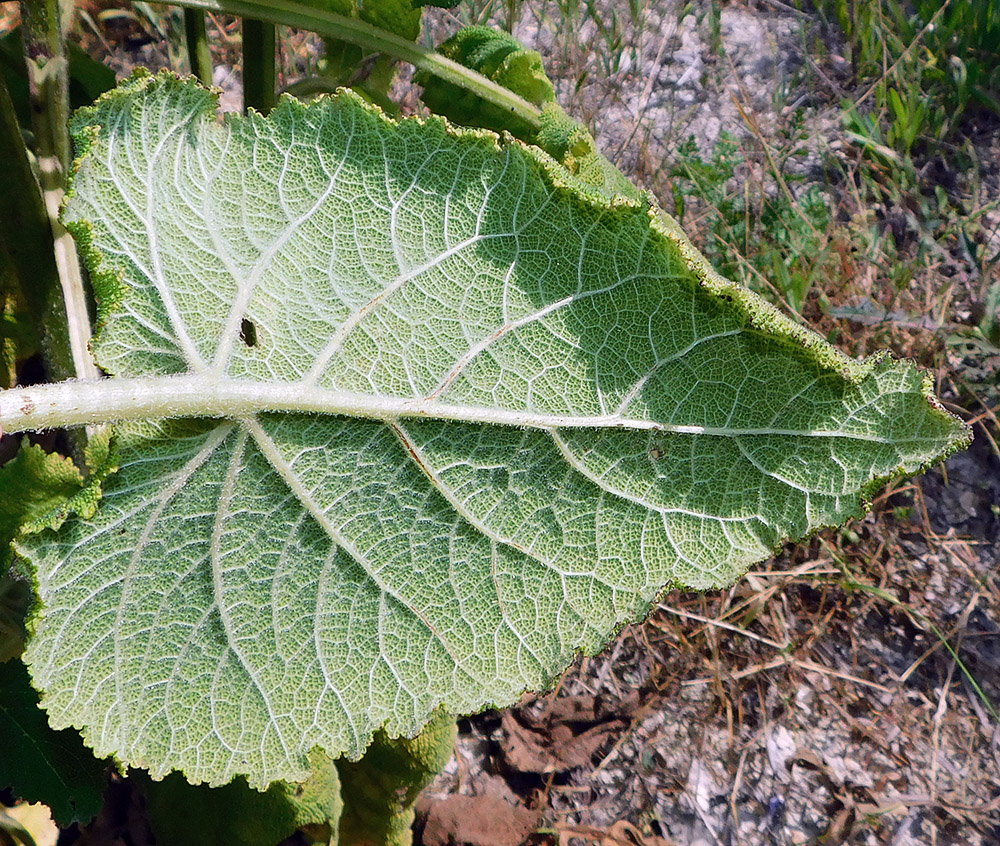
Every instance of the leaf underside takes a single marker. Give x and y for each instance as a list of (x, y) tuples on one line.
[(253, 587)]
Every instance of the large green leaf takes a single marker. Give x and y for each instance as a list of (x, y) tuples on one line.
[(448, 419), (42, 765)]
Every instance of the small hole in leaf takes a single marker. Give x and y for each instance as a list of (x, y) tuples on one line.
[(248, 333)]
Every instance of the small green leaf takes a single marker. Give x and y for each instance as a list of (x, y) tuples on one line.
[(348, 64), (380, 790), (499, 56), (42, 765), (506, 61), (486, 418), (571, 144), (35, 487)]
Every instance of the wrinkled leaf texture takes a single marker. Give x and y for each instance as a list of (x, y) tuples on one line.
[(256, 585)]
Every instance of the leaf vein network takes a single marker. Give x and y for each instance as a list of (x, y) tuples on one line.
[(606, 487), (217, 436), (328, 686), (223, 510), (247, 287), (417, 456), (273, 455), (188, 348)]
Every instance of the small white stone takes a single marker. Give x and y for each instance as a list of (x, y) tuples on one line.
[(781, 745)]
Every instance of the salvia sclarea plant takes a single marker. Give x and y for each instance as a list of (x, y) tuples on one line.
[(399, 416)]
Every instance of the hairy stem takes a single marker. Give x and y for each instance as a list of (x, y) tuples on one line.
[(200, 395), (204, 395)]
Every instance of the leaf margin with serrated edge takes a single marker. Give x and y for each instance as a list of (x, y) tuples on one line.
[(758, 314)]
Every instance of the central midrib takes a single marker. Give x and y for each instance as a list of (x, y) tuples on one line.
[(203, 395)]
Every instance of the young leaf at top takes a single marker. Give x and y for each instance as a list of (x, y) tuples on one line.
[(485, 417), (502, 58)]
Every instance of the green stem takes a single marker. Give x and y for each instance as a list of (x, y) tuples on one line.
[(48, 77), (377, 40), (67, 330), (259, 80), (196, 40), (311, 86), (31, 262)]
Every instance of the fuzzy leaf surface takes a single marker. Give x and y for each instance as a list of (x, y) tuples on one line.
[(553, 410)]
